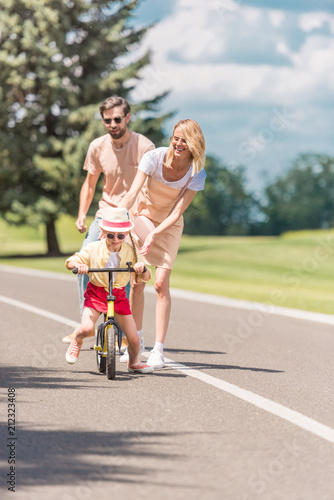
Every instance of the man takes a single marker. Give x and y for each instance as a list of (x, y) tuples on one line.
[(116, 155)]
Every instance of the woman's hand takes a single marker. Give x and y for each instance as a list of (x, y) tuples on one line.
[(147, 243)]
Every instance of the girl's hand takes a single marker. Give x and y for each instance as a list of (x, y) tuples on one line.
[(82, 268), (147, 243), (139, 267)]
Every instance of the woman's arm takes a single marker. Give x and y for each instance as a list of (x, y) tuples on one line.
[(176, 213), (129, 199)]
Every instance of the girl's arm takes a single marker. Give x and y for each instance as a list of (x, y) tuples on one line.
[(141, 269), (176, 213), (129, 199), (82, 268)]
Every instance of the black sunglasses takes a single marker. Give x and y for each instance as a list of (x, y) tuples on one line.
[(117, 120), (120, 236)]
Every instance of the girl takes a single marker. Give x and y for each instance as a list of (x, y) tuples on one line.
[(110, 251)]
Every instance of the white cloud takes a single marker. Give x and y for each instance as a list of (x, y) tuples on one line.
[(276, 18), (184, 42), (223, 60), (317, 57), (313, 20)]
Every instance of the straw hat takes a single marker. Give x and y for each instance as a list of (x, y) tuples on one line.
[(115, 219)]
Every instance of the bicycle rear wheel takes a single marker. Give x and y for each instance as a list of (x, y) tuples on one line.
[(100, 360), (111, 353)]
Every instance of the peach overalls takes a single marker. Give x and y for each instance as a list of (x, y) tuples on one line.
[(156, 201)]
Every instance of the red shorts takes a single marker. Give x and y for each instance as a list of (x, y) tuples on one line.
[(96, 298)]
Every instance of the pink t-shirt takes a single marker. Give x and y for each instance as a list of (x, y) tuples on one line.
[(119, 166)]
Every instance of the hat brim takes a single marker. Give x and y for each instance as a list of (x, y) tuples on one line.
[(116, 227)]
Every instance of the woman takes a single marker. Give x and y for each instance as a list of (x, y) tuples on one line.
[(165, 184)]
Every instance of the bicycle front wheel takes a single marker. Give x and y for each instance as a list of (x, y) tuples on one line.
[(100, 360), (111, 353)]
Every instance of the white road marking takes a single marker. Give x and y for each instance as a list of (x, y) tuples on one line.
[(265, 404), (37, 310), (306, 423)]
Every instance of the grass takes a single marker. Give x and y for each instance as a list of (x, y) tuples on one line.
[(294, 270)]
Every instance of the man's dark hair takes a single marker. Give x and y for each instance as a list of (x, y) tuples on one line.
[(113, 102)]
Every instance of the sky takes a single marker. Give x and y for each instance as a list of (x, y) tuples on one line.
[(257, 75)]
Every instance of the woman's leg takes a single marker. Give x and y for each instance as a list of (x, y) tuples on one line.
[(163, 305), (128, 325), (137, 302)]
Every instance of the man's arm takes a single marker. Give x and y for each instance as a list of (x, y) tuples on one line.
[(130, 197), (86, 197)]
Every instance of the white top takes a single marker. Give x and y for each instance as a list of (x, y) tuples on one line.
[(113, 262), (148, 164)]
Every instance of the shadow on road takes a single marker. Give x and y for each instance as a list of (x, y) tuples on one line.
[(194, 351), (89, 458), (228, 367), (37, 378)]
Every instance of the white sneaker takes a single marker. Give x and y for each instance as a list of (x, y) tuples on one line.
[(156, 359), (125, 357)]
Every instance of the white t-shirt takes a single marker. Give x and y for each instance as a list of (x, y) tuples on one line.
[(113, 261), (148, 164)]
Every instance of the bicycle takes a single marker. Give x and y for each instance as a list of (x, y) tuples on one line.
[(109, 330)]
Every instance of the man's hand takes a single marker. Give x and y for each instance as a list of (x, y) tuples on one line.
[(80, 224)]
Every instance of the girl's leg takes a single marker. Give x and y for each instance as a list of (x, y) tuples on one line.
[(88, 319), (128, 325), (137, 302), (86, 328), (163, 306)]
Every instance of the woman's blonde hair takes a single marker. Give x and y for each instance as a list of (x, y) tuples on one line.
[(195, 141)]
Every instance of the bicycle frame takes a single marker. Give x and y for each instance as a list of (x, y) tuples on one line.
[(105, 341)]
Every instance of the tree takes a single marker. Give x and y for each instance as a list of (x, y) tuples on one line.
[(58, 61), (303, 198), (224, 207)]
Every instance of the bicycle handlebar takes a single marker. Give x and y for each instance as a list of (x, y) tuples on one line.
[(128, 269)]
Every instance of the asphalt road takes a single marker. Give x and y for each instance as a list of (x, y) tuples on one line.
[(242, 411)]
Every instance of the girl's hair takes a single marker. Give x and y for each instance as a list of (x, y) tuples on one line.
[(195, 141), (135, 252)]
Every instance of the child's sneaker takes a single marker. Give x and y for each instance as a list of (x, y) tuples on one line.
[(73, 351), (140, 367), (156, 359), (125, 357)]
